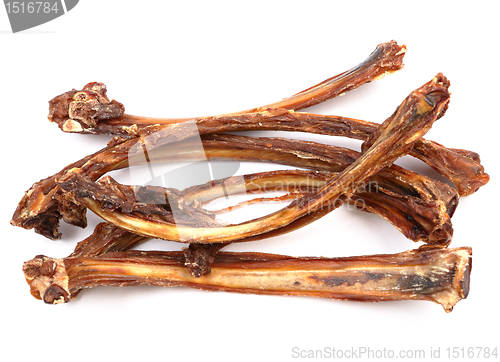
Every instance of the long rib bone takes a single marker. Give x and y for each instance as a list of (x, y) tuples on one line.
[(93, 104), (438, 275)]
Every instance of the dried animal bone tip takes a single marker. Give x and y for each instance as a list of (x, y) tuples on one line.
[(440, 78), (47, 279), (461, 280), (78, 109), (55, 295), (71, 126), (402, 51), (393, 45)]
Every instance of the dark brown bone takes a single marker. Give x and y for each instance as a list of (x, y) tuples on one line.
[(385, 59), (438, 275)]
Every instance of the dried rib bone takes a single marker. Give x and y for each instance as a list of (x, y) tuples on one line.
[(385, 59), (408, 124), (438, 275)]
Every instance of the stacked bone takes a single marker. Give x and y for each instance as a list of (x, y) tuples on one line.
[(418, 206)]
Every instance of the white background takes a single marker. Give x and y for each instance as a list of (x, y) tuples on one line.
[(164, 59)]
